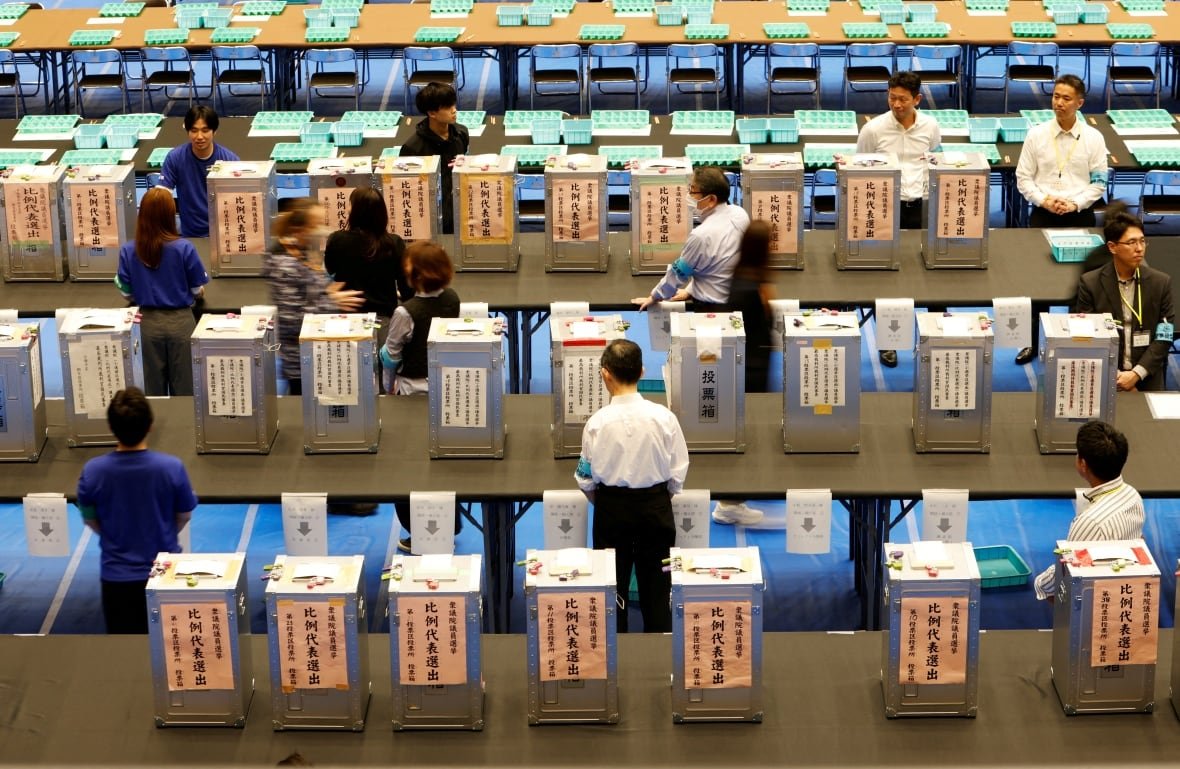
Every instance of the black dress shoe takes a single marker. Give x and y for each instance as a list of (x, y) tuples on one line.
[(888, 358), (1025, 356)]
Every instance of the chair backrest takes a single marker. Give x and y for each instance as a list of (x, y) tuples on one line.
[(6, 58), (1162, 178), (292, 181), (561, 51), (329, 55), (534, 182), (1026, 48), (236, 52), (613, 50), (825, 177), (794, 50), (1137, 49), (945, 52), (871, 50), (428, 53), (691, 50), (97, 56), (169, 53)]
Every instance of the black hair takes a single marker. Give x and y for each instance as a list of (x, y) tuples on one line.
[(1074, 82), (1103, 449), (910, 81), (624, 360), (201, 112), (436, 96), (130, 416), (710, 180), (1117, 220)]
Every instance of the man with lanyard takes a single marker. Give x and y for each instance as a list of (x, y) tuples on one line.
[(1062, 171), (1115, 508), (711, 252), (908, 134)]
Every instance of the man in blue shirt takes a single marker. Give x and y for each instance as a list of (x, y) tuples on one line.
[(186, 167), (137, 501)]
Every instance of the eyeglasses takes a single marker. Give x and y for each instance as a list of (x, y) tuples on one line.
[(1133, 242)]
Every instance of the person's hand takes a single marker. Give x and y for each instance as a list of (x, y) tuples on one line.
[(347, 301), (644, 301), (680, 296), (1127, 381)]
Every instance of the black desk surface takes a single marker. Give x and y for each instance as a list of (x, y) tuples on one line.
[(87, 700), (886, 466), (1020, 265)]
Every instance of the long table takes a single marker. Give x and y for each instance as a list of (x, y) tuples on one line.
[(886, 470), (86, 700)]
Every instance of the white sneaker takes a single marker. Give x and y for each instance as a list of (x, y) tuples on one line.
[(729, 512)]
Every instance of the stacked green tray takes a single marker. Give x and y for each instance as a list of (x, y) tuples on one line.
[(201, 7), (1142, 5), (706, 31), (332, 35), (824, 156), (471, 118), (156, 159), (989, 151), (523, 119), (1157, 157), (341, 5), (1034, 29), (437, 34), (618, 156), (723, 155), (1131, 31), (165, 36), (856, 30), (532, 155), (144, 122), (13, 158), (556, 6), (808, 6), (235, 34), (948, 119), (83, 38), (451, 7), (374, 120), (620, 119), (987, 5), (120, 10), (13, 10), (91, 157), (602, 31), (926, 29), (634, 7), (298, 152), (281, 121), (1141, 118), (7, 38), (1038, 116), (873, 6), (694, 5), (703, 120), (262, 7), (47, 124), (788, 31), (819, 120)]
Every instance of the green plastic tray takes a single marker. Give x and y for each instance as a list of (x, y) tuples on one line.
[(1141, 118), (1065, 11), (577, 131), (921, 12), (856, 30), (437, 34), (374, 120), (1000, 566), (451, 6), (983, 129), (952, 119), (1157, 157), (198, 7), (1014, 129), (281, 121), (91, 157), (620, 119), (156, 159), (1037, 116), (669, 15), (531, 155), (523, 119), (987, 5), (539, 17), (824, 157), (1131, 31), (509, 15), (92, 37), (165, 36), (701, 120), (120, 10), (354, 5), (298, 152), (782, 130), (7, 38), (808, 6), (1142, 5), (602, 31), (1073, 248), (13, 158), (788, 31), (706, 31), (1034, 29), (13, 10), (143, 121), (989, 151), (826, 119), (617, 156), (262, 7), (634, 6), (471, 118), (235, 34), (724, 155), (390, 152), (926, 29), (47, 124), (557, 6), (328, 34), (1094, 13), (315, 133)]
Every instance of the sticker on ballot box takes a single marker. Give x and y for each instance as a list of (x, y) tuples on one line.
[(1124, 628), (313, 644), (197, 654), (432, 640), (718, 645), (934, 640)]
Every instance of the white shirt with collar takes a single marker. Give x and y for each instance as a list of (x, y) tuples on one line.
[(709, 257), (1065, 164), (634, 443), (884, 134)]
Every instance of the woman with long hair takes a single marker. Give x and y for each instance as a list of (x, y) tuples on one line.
[(161, 273)]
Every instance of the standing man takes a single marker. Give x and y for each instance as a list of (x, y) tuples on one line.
[(634, 459), (908, 134), (137, 501), (186, 167), (1062, 171), (439, 134), (1116, 509), (712, 250), (1138, 297)]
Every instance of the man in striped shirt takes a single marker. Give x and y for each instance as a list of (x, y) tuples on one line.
[(1115, 510)]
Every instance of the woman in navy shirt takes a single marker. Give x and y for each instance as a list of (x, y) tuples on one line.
[(162, 274)]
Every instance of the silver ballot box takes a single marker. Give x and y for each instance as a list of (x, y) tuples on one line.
[(660, 217), (319, 650), (1080, 361), (868, 213), (465, 359), (234, 384), (1105, 627), (23, 428), (30, 212), (331, 182), (953, 383), (716, 634), (930, 655), (772, 190), (484, 194), (100, 355), (821, 375), (956, 213), (412, 194), (435, 615), (706, 380), (198, 628), (100, 209), (337, 355), (576, 363), (1175, 682), (572, 642), (242, 205), (575, 214)]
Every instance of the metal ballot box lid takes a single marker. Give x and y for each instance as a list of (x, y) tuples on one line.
[(243, 170), (463, 331), (956, 231), (86, 320), (407, 166), (868, 212), (1077, 382), (183, 572), (574, 568), (772, 190), (1113, 559), (576, 164), (412, 192), (587, 331), (351, 169), (660, 215), (102, 174), (435, 574), (338, 327), (232, 326), (930, 562), (702, 566), (313, 577), (821, 390), (331, 182)]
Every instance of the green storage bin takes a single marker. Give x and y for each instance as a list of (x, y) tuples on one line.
[(1013, 129), (510, 15), (546, 131), (348, 133), (1000, 566), (90, 136), (539, 17), (577, 132), (121, 136), (1073, 248), (752, 130), (217, 18), (669, 15), (983, 129), (1095, 13), (315, 133), (782, 130)]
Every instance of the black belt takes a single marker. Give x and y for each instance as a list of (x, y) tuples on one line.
[(659, 487), (911, 203)]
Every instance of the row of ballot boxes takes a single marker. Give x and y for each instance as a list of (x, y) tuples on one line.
[(235, 387), (318, 649), (65, 221)]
